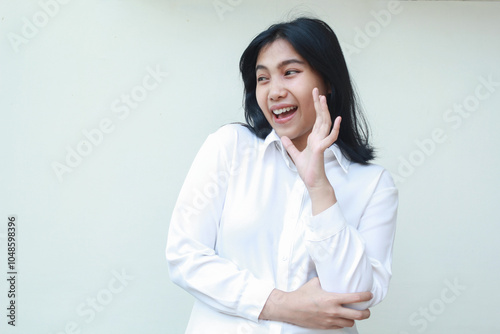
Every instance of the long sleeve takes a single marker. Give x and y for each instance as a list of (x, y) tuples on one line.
[(356, 257), (191, 246)]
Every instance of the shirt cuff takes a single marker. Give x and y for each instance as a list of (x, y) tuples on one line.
[(326, 224), (253, 300)]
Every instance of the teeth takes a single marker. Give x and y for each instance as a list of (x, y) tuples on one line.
[(282, 110)]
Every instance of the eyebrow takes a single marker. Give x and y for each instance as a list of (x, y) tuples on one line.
[(280, 65)]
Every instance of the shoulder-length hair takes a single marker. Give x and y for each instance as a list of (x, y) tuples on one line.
[(316, 42)]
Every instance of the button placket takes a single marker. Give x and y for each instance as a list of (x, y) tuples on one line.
[(291, 219)]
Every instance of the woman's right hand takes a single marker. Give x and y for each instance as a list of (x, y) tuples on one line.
[(311, 307)]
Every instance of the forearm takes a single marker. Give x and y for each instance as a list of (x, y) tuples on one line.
[(275, 307), (338, 255), (214, 280), (322, 197), (343, 266), (349, 259)]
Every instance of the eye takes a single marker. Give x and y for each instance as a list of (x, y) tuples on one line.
[(261, 78), (291, 72)]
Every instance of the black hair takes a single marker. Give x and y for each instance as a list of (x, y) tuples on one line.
[(316, 42)]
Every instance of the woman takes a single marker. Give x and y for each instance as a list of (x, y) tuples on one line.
[(282, 225)]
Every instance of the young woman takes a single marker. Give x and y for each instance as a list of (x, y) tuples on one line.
[(283, 225)]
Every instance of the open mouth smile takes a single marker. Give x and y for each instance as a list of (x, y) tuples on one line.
[(283, 114)]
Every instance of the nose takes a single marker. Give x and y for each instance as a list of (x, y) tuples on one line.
[(277, 90)]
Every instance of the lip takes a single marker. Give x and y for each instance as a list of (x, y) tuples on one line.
[(286, 119), (281, 106)]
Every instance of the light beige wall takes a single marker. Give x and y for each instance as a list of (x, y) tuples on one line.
[(136, 86)]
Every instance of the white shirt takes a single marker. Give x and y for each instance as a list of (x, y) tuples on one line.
[(242, 226)]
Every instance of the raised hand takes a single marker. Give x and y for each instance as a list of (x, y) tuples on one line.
[(310, 162)]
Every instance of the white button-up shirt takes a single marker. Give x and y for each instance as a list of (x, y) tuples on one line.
[(242, 226)]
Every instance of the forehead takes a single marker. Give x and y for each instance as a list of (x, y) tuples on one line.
[(276, 52)]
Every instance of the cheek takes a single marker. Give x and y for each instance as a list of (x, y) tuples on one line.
[(261, 99), (306, 101), (309, 111)]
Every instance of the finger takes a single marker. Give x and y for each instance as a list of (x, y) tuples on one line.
[(351, 298), (337, 323), (326, 118), (290, 147), (351, 314), (315, 93), (334, 134), (336, 124), (317, 108), (323, 119)]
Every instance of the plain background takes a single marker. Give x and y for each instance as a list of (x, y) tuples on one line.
[(110, 214)]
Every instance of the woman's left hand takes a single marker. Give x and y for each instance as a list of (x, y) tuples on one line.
[(310, 162)]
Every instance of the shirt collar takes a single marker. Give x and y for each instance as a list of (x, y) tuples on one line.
[(343, 161), (272, 137), (331, 153)]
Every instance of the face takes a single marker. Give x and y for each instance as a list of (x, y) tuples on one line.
[(285, 82)]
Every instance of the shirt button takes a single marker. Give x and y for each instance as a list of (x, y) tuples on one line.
[(284, 258)]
